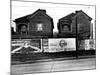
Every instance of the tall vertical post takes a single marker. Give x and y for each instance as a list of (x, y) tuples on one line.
[(76, 39), (41, 46)]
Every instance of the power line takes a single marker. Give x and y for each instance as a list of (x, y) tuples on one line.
[(52, 2)]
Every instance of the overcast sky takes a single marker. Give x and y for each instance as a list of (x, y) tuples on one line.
[(56, 11)]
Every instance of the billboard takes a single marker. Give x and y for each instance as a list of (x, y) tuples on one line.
[(87, 44), (27, 45), (62, 44)]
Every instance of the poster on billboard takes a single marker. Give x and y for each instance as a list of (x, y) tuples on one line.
[(61, 44), (90, 44), (87, 45), (29, 45)]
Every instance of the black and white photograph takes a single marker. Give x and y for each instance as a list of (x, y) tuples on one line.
[(52, 37)]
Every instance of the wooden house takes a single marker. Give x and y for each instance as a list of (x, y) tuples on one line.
[(79, 20), (35, 25)]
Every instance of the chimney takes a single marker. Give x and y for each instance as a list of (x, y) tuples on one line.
[(42, 10), (78, 11)]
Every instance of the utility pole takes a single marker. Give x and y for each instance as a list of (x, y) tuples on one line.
[(76, 38)]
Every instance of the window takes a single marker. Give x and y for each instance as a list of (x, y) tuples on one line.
[(66, 27), (23, 28), (39, 27)]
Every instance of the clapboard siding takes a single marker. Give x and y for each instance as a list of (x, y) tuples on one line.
[(82, 20), (32, 21)]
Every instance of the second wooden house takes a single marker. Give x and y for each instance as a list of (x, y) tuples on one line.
[(78, 22)]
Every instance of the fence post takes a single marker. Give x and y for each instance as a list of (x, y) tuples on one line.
[(76, 39)]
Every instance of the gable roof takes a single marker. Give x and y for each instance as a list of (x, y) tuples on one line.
[(27, 17), (43, 12), (89, 18), (70, 16)]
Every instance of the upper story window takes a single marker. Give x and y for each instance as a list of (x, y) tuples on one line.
[(39, 27), (66, 27), (22, 28)]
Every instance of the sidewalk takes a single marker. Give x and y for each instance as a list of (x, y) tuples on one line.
[(52, 59)]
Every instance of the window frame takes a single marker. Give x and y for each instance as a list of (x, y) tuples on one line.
[(39, 26), (67, 23), (20, 27), (68, 26)]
